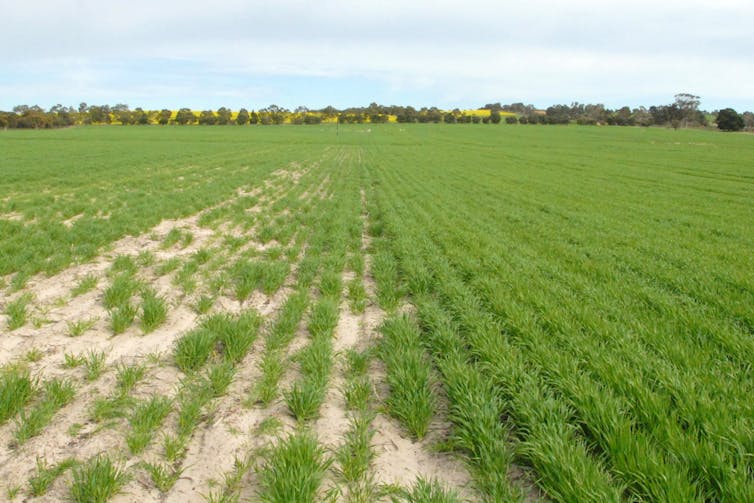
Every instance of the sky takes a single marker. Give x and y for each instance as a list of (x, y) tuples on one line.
[(199, 54)]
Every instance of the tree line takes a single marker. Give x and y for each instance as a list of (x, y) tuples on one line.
[(682, 112)]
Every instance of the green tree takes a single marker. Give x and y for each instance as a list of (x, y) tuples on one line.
[(163, 117), (185, 116), (729, 120), (688, 107), (243, 117), (223, 116), (495, 116), (140, 117), (207, 118)]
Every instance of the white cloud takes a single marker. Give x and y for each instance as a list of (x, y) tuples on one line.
[(540, 50)]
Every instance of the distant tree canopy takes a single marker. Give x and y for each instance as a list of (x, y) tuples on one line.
[(682, 112), (729, 120)]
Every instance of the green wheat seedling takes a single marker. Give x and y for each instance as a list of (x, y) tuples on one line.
[(71, 361), (357, 393), (246, 276), (112, 407), (194, 396), (411, 399), (171, 238), (154, 310), (356, 264), (357, 362), (146, 417), (77, 328), (220, 375), (185, 277), (12, 491), (354, 457), (272, 275), (121, 318), (330, 284), (145, 258), (357, 295), (274, 253), (17, 311), (430, 491), (385, 273), (269, 426), (307, 271), (120, 291), (187, 238), (304, 399), (204, 304), (97, 480), (266, 388), (19, 281), (17, 388), (168, 266), (293, 471), (324, 318), (163, 476), (86, 284), (127, 376), (123, 264), (56, 394), (45, 475), (34, 355), (95, 364), (237, 340), (193, 349), (201, 256), (174, 448), (229, 491)]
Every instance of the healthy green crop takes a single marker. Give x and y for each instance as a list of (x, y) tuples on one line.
[(576, 301)]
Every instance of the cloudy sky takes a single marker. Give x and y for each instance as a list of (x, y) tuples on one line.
[(461, 53)]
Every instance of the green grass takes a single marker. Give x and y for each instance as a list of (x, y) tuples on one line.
[(168, 266), (124, 264), (112, 407), (411, 398), (97, 480), (120, 291), (220, 376), (17, 388), (71, 361), (194, 396), (430, 491), (154, 310), (163, 476), (355, 455), (145, 419), (122, 317), (77, 328), (86, 284), (204, 304), (293, 470), (95, 364), (45, 475), (127, 376), (56, 394), (193, 349), (17, 311), (357, 295), (33, 355), (230, 335)]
